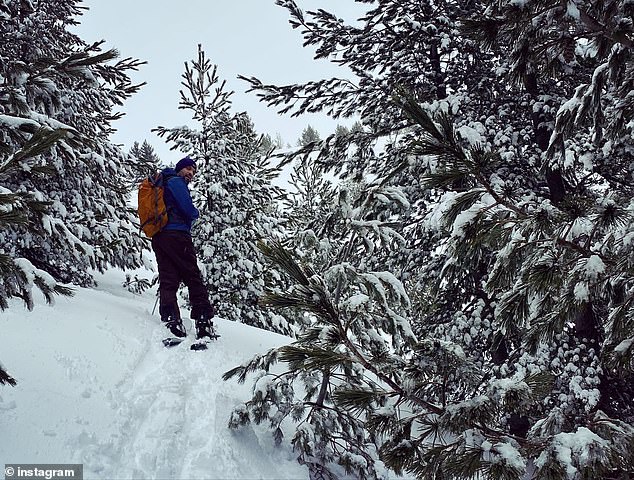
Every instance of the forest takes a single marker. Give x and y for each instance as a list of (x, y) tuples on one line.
[(456, 272)]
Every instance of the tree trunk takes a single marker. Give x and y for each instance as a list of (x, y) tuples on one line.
[(542, 134), (324, 388), (438, 76)]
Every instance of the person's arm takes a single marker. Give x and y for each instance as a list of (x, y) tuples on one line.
[(182, 198)]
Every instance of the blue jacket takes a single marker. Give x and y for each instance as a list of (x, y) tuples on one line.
[(181, 212)]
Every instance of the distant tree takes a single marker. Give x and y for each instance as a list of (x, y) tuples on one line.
[(147, 161), (279, 141), (309, 135), (266, 144), (234, 193), (356, 127), (135, 151), (341, 130)]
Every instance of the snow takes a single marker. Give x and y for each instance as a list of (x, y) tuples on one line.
[(500, 388), (355, 302), (579, 443), (464, 218), (96, 387), (594, 267), (471, 135), (582, 292), (509, 455), (624, 346), (17, 122), (395, 284), (573, 10)]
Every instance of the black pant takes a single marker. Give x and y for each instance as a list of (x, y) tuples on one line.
[(176, 259)]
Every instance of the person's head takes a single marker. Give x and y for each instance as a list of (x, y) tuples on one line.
[(186, 168)]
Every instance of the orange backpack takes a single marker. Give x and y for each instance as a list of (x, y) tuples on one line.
[(151, 206)]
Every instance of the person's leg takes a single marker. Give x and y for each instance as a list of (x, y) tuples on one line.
[(202, 311), (192, 278), (169, 281)]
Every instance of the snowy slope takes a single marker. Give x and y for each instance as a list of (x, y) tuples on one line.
[(96, 387)]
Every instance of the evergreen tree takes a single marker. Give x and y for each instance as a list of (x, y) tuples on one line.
[(354, 330), (341, 130), (58, 88), (308, 137), (356, 127), (266, 144), (63, 191), (233, 191), (508, 134), (269, 143), (279, 141), (310, 199), (147, 161)]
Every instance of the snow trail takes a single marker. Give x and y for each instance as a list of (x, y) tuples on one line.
[(172, 416), (97, 387)]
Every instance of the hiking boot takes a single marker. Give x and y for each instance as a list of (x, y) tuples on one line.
[(205, 329), (177, 328), (171, 317), (202, 315)]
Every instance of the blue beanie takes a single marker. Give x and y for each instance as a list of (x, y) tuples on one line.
[(184, 162)]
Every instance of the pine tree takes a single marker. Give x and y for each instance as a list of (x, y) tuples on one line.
[(310, 199), (233, 191), (63, 184), (56, 86), (506, 127), (354, 330), (147, 161), (266, 145), (341, 130), (279, 141), (308, 137)]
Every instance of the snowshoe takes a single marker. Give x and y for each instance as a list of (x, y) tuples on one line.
[(172, 341), (199, 345), (205, 332), (177, 329)]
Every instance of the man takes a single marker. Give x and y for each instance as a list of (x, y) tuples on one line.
[(176, 257)]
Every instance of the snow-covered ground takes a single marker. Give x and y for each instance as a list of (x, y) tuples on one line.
[(96, 387)]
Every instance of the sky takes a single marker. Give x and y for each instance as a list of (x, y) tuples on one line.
[(242, 37), (103, 392)]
